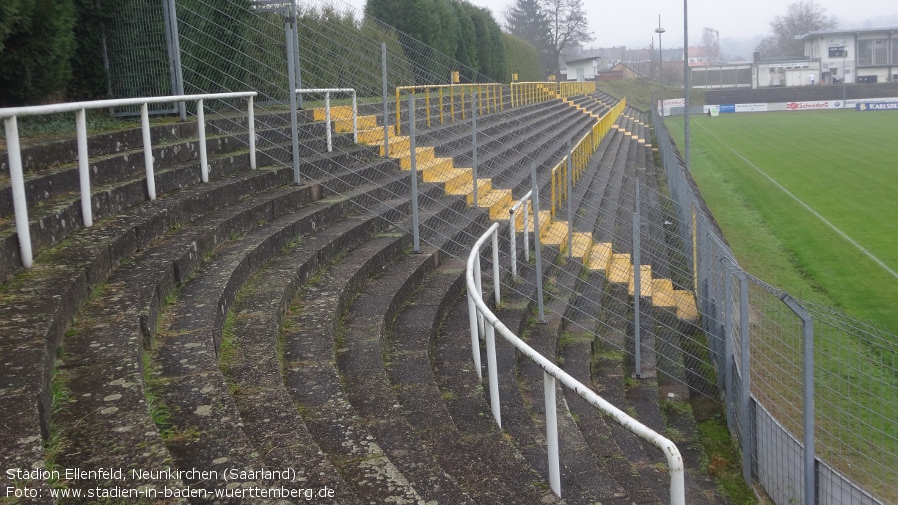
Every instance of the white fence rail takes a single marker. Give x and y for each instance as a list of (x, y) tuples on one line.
[(16, 173), (484, 323)]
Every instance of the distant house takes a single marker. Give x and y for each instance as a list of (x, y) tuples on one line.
[(584, 69)]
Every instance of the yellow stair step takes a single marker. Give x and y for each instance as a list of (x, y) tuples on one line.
[(555, 234), (619, 268), (484, 186), (345, 125), (497, 201), (645, 282), (582, 245), (599, 257), (398, 144), (375, 135), (434, 166), (337, 112), (686, 307), (663, 293), (457, 180), (422, 155)]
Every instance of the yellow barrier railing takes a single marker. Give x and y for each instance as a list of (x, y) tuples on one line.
[(489, 99), (525, 93), (581, 154)]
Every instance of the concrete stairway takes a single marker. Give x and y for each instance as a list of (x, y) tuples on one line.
[(249, 323)]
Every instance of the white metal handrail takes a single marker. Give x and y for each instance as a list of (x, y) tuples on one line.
[(327, 110), (551, 373), (512, 231), (16, 172)]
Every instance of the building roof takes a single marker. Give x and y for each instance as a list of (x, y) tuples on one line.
[(826, 33)]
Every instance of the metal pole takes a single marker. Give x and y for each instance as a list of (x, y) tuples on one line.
[(512, 238), (201, 133), (355, 119), (414, 173), (807, 327), (686, 82), (745, 384), (474, 146), (637, 282), (660, 66), (536, 243), (383, 71), (570, 212), (295, 39), (17, 182), (528, 206), (83, 167), (728, 339), (291, 78), (175, 48), (552, 433)]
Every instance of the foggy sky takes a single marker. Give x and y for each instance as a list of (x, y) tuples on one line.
[(632, 23)]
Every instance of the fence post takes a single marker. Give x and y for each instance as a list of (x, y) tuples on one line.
[(570, 213), (536, 243), (807, 332), (512, 239), (84, 167), (637, 281), (383, 72), (496, 279), (729, 337), (416, 240), (17, 181), (745, 384), (327, 120), (552, 433), (474, 147), (355, 119), (296, 68), (174, 46), (291, 79)]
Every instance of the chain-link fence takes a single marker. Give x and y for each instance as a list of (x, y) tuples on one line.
[(795, 374), (684, 315)]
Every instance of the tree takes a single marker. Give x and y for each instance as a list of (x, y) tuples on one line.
[(526, 20), (567, 27), (801, 17), (711, 44)]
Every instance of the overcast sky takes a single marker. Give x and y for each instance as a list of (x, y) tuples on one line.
[(632, 22)]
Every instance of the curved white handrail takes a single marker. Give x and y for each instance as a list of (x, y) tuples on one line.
[(551, 372)]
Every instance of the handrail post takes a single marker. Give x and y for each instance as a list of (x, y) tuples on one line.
[(807, 327), (201, 133), (17, 181), (512, 238), (478, 283), (493, 373), (327, 119), (473, 314), (496, 278), (552, 433), (355, 119), (251, 132), (84, 167), (147, 150)]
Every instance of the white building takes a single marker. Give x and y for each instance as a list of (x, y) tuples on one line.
[(584, 69), (862, 56)]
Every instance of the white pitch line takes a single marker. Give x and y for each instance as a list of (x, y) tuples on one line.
[(806, 206)]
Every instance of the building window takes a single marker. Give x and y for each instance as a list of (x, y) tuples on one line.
[(894, 51), (873, 52)]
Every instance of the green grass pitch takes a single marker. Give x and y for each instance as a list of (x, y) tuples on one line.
[(843, 166)]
